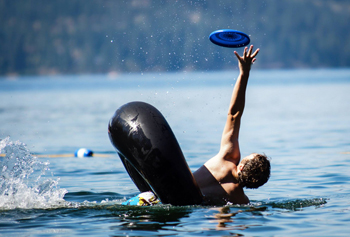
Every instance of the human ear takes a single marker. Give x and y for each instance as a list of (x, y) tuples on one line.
[(240, 166)]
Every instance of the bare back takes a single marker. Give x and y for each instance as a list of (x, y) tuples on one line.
[(217, 183)]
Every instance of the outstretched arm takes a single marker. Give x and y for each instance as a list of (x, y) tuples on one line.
[(229, 140)]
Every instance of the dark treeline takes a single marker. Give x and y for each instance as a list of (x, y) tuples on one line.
[(80, 36)]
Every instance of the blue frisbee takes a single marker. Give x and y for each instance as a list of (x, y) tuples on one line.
[(229, 38)]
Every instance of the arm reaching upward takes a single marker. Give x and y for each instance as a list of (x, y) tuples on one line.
[(229, 140)]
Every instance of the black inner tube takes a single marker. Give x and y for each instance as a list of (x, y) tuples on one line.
[(151, 154)]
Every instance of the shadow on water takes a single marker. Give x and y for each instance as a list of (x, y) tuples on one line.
[(151, 219)]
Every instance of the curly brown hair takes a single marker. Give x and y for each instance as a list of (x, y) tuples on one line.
[(255, 173)]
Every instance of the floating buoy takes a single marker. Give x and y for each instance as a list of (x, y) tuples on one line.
[(83, 152)]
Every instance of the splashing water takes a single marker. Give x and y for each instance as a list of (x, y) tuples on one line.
[(22, 180), (25, 185)]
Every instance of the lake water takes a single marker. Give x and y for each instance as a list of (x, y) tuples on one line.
[(299, 118)]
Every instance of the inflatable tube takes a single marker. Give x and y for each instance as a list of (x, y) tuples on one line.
[(151, 154)]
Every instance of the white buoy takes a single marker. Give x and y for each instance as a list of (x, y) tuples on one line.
[(83, 152)]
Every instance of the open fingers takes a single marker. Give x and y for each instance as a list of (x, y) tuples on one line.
[(250, 50), (255, 53), (237, 55), (245, 52)]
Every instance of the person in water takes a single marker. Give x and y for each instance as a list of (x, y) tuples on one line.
[(224, 176), (153, 159)]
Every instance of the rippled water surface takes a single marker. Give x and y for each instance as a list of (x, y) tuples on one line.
[(300, 119)]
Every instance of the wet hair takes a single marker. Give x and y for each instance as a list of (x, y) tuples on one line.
[(255, 173)]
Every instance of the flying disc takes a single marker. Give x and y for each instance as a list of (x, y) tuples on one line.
[(229, 38)]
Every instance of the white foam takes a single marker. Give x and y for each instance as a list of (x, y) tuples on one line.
[(23, 180)]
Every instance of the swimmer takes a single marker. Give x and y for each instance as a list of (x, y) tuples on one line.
[(153, 158), (225, 175)]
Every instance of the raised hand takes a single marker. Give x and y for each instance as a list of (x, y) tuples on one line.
[(247, 59)]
